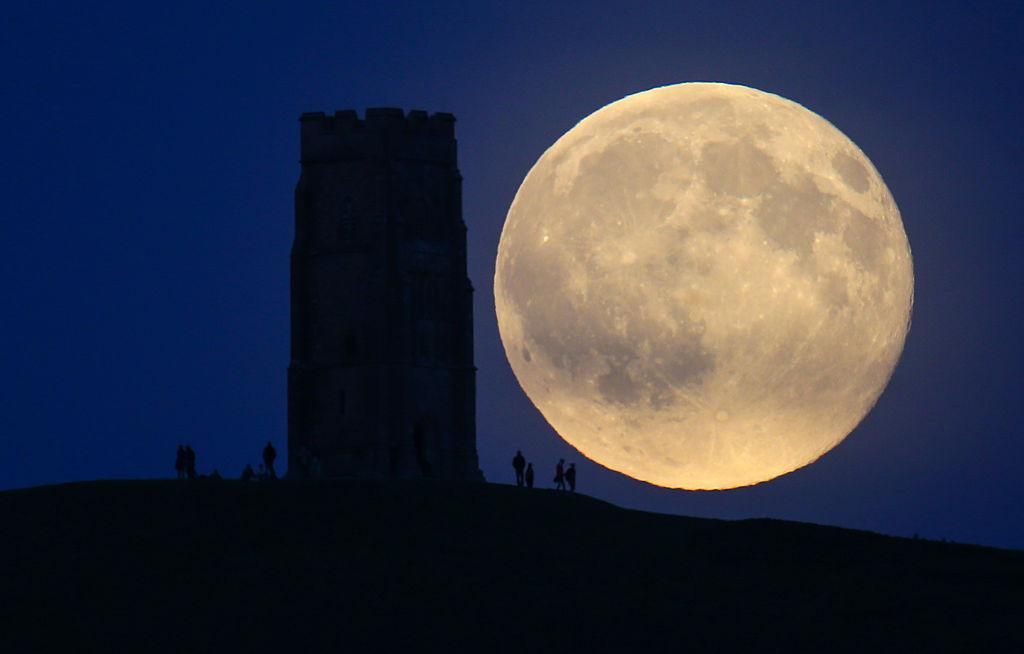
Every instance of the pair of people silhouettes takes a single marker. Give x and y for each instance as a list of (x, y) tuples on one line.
[(565, 476), (524, 470), (185, 462)]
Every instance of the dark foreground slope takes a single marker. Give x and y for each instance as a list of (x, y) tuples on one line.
[(385, 566)]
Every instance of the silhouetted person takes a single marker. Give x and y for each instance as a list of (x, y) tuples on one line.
[(190, 462), (269, 455), (570, 477), (518, 463), (248, 473), (179, 462), (529, 475), (560, 475)]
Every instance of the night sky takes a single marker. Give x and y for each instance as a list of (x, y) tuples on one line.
[(150, 153)]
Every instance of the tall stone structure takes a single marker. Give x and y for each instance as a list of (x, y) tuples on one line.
[(381, 381)]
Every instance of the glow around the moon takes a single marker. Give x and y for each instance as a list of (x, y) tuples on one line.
[(703, 286)]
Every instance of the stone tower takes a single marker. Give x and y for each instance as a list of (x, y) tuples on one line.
[(381, 381)]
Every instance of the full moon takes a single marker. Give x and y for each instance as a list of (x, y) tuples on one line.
[(703, 286)]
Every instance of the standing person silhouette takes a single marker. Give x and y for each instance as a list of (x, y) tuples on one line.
[(190, 462), (560, 475), (179, 462), (518, 463), (570, 477), (529, 475), (269, 456)]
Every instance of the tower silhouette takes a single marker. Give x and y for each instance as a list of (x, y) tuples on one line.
[(381, 381)]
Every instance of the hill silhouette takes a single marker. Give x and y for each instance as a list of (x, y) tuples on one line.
[(149, 566)]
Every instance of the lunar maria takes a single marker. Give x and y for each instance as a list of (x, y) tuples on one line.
[(703, 286)]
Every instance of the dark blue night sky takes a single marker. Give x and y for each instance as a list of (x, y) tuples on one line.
[(150, 152)]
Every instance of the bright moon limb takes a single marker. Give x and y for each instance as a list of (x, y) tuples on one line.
[(703, 286)]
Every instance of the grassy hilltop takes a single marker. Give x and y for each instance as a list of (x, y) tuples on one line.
[(143, 566)]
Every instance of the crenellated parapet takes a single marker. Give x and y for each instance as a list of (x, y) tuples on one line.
[(384, 133)]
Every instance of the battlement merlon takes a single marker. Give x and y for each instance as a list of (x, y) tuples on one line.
[(384, 133)]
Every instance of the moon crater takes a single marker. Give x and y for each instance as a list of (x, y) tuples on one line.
[(703, 286)]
